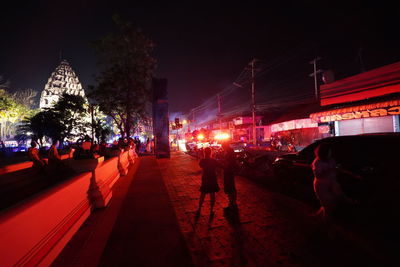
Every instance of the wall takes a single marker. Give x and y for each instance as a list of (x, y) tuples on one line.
[(35, 231)]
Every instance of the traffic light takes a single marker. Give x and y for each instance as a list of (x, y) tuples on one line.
[(178, 125)]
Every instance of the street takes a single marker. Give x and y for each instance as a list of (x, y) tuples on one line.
[(269, 229)]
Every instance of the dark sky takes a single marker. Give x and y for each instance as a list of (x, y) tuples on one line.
[(201, 47)]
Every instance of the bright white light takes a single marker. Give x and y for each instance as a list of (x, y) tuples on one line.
[(222, 136), (182, 146)]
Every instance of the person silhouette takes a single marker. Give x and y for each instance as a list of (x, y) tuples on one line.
[(209, 184), (229, 166), (55, 162), (38, 163), (326, 187)]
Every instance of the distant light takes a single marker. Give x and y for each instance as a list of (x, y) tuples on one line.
[(184, 122), (182, 146), (222, 136), (200, 137)]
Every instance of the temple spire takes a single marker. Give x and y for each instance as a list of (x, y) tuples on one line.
[(62, 80)]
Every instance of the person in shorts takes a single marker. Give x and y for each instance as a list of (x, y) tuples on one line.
[(209, 184)]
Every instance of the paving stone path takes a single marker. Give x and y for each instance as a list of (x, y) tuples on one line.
[(269, 229)]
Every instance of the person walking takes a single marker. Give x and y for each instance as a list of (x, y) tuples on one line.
[(209, 184), (326, 187), (229, 166)]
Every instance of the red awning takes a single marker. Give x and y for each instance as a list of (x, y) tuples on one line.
[(374, 83)]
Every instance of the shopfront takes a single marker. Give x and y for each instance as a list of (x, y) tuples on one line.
[(372, 118), (365, 103)]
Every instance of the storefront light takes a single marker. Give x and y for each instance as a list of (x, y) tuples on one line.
[(222, 136)]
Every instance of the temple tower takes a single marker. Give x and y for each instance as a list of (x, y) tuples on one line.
[(62, 80)]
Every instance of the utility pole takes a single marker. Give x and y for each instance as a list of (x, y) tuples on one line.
[(253, 101), (194, 122), (314, 62), (253, 98), (219, 111)]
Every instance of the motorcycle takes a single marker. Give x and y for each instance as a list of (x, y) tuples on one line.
[(250, 164)]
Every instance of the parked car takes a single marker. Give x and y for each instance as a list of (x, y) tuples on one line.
[(373, 157)]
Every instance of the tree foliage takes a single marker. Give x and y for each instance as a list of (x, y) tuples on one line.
[(11, 113), (123, 87), (66, 119), (71, 113), (25, 97), (44, 123)]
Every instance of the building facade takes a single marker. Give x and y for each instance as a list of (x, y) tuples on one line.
[(365, 103), (62, 80)]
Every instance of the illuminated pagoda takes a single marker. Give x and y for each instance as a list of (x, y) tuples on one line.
[(62, 80)]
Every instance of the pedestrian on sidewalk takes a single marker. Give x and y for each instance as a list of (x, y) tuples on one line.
[(229, 166), (209, 184)]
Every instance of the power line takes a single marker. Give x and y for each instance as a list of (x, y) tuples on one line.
[(247, 76)]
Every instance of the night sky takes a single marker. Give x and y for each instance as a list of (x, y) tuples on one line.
[(201, 47)]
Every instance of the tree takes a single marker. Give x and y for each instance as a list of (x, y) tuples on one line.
[(123, 87), (44, 123), (25, 97), (72, 114), (99, 123), (66, 119), (3, 83), (10, 114)]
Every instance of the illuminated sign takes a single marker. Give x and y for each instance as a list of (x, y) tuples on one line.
[(379, 112), (293, 124)]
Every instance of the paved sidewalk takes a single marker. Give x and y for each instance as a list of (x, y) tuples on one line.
[(268, 230), (138, 228), (151, 222)]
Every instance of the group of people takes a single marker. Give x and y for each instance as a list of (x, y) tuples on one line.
[(209, 183), (325, 169), (83, 149), (54, 162), (145, 147)]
